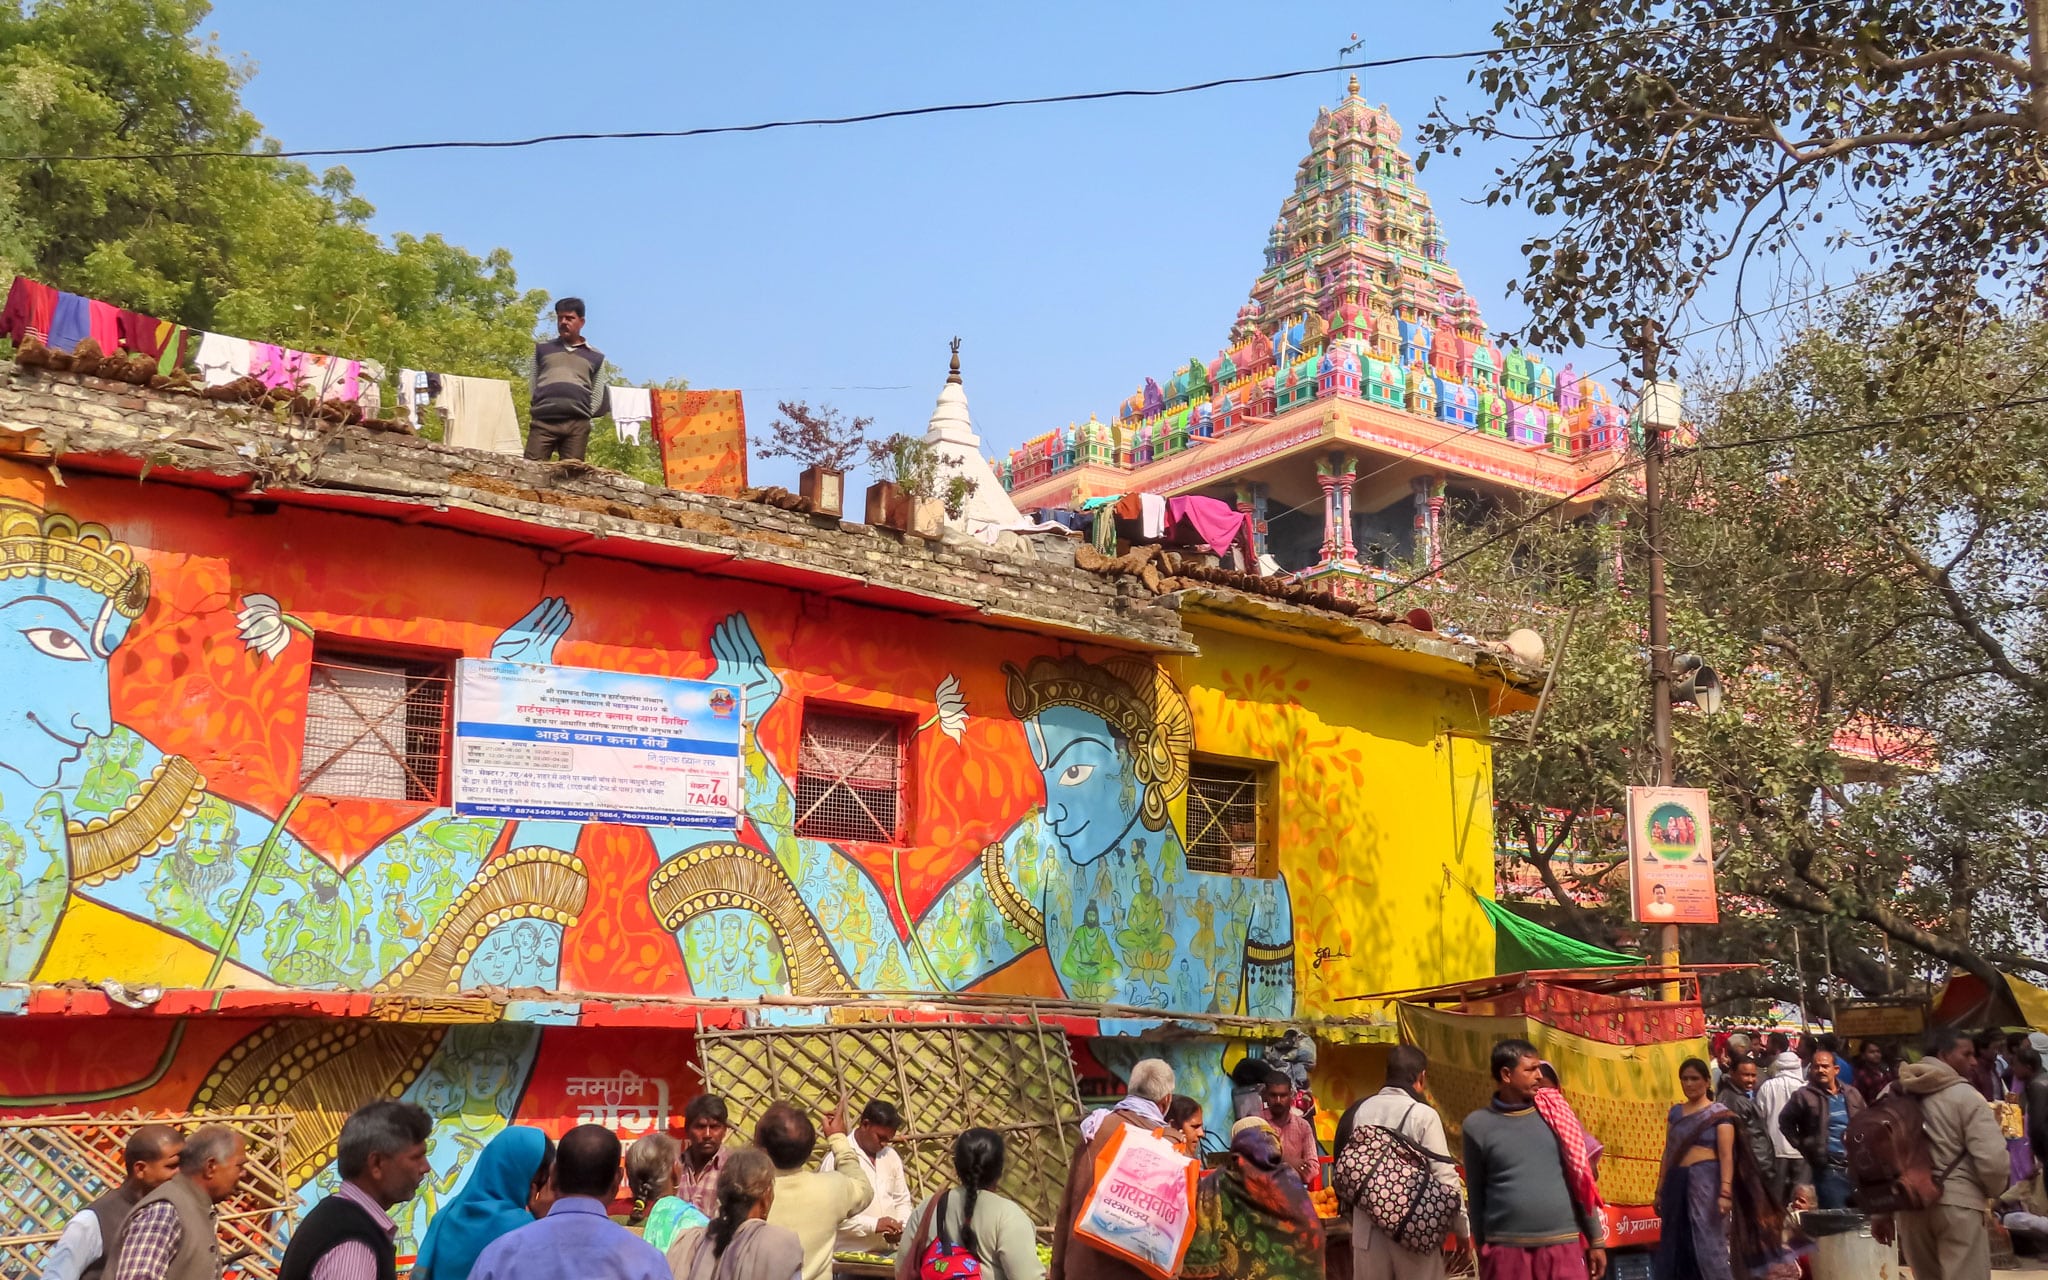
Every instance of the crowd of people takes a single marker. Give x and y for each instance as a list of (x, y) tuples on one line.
[(1762, 1130)]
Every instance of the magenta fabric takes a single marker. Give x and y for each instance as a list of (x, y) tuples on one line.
[(1215, 521), (1551, 1262), (276, 366)]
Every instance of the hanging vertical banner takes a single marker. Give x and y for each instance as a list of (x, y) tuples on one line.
[(577, 745), (703, 439), (1671, 856)]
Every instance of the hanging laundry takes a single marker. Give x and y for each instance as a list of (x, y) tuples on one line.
[(160, 340), (222, 359), (276, 366), (1219, 525), (703, 440), (103, 325), (372, 397), (412, 396), (480, 414), (71, 323), (329, 377), (30, 307), (1151, 515), (631, 409)]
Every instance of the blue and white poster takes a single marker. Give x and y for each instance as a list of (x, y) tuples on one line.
[(576, 745)]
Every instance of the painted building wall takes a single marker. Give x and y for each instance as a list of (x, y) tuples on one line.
[(1386, 817), (153, 831)]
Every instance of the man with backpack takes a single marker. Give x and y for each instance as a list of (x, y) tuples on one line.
[(1390, 1149), (1965, 1155)]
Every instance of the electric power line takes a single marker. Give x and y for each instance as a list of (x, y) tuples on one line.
[(870, 117)]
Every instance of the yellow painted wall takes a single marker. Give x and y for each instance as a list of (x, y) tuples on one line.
[(1382, 819)]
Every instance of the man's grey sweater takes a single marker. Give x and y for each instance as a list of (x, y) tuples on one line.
[(1515, 1175)]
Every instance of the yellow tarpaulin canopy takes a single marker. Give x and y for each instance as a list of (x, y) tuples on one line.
[(1621, 1092), (2032, 1001), (1965, 1001)]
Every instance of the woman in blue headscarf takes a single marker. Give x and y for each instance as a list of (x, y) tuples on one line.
[(497, 1199)]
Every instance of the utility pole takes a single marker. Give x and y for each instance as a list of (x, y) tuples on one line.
[(1651, 413)]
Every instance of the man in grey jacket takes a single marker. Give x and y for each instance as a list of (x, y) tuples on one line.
[(1952, 1240)]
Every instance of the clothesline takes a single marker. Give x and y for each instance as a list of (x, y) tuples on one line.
[(478, 412), (1194, 520)]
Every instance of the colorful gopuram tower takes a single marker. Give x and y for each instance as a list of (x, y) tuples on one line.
[(1358, 399)]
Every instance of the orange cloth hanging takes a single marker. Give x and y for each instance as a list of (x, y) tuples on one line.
[(703, 438)]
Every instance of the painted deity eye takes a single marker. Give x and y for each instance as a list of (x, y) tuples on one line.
[(55, 643), (1076, 774)]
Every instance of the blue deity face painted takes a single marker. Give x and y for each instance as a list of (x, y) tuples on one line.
[(1091, 795), (55, 639)]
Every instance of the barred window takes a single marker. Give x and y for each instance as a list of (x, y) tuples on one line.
[(849, 779), (1230, 820), (376, 727)]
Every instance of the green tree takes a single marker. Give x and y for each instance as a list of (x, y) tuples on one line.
[(243, 244), (1857, 544), (1660, 139)]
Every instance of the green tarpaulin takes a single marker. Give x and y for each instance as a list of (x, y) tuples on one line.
[(1523, 944)]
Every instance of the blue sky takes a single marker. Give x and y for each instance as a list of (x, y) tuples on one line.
[(1075, 248)]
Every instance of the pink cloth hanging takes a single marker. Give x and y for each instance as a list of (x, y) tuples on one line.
[(276, 366), (1218, 524)]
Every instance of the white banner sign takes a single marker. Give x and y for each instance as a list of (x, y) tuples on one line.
[(576, 745)]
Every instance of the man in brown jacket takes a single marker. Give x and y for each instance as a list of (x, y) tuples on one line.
[(1952, 1241), (1143, 1108), (173, 1235)]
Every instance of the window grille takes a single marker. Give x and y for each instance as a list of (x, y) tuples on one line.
[(1228, 818), (849, 783), (376, 728)]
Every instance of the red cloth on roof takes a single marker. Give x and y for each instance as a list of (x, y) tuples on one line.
[(103, 325), (28, 310)]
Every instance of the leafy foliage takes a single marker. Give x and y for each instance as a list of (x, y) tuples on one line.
[(820, 437), (1870, 579), (1664, 138), (917, 468), (263, 248)]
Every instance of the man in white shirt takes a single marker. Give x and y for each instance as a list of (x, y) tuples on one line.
[(1787, 1077), (1403, 1107), (152, 1159), (879, 1227)]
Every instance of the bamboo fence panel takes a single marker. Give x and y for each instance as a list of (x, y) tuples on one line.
[(1017, 1080), (53, 1166)]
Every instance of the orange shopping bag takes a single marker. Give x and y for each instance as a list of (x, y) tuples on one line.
[(1142, 1207)]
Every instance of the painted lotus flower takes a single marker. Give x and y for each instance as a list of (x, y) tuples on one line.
[(265, 627), (952, 716)]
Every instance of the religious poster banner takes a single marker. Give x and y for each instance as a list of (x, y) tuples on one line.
[(576, 745), (703, 439), (1671, 856)]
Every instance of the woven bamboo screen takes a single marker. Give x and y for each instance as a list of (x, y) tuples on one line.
[(1016, 1080), (53, 1166)]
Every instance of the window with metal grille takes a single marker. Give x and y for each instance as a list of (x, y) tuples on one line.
[(849, 777), (1230, 817), (376, 727)]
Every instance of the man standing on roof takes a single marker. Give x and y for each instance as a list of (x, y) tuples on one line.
[(568, 389)]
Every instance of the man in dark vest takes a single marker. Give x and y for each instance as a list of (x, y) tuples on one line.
[(173, 1235), (81, 1252), (382, 1158)]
